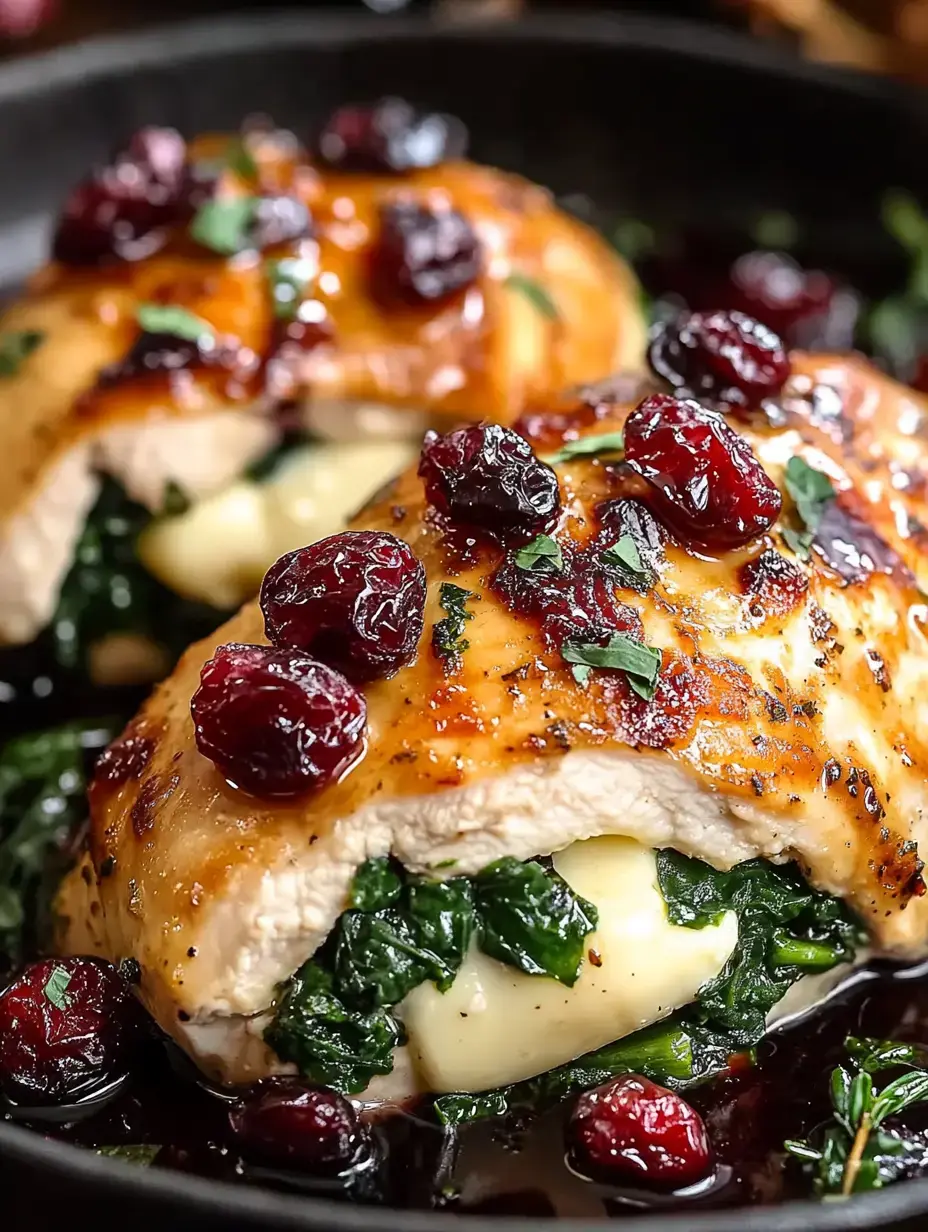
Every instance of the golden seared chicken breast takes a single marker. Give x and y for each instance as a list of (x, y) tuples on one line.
[(369, 288), (583, 745)]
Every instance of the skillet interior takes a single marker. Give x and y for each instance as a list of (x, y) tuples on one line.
[(647, 117)]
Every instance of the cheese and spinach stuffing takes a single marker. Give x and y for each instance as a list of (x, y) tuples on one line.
[(531, 981)]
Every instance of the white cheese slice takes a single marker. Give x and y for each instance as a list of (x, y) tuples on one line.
[(219, 550), (495, 1025)]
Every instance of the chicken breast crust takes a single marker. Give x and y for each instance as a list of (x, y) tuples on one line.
[(68, 412), (788, 723)]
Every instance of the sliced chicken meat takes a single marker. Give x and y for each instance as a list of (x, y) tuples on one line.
[(786, 721)]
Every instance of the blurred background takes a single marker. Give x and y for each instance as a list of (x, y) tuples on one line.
[(887, 36)]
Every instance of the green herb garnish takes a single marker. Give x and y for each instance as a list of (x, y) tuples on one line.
[(288, 279), (56, 988), (785, 929), (448, 640), (625, 557), (16, 345), (224, 224), (588, 447), (641, 664), (535, 293), (134, 1153), (811, 491), (240, 160), (856, 1154), (542, 555), (178, 322)]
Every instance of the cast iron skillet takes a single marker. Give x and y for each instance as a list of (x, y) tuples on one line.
[(650, 116)]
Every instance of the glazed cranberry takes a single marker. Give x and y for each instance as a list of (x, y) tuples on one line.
[(577, 603), (355, 600), (276, 722), (389, 136), (805, 307), (285, 1121), (725, 356), (422, 255), (123, 209), (151, 354), (64, 1028), (631, 1129), (707, 484), (489, 476)]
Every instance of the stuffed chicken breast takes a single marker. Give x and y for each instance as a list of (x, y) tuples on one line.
[(369, 289), (581, 747)]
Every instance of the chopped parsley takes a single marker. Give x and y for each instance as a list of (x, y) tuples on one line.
[(588, 447), (625, 556), (537, 294), (542, 555), (56, 988), (173, 320), (448, 640), (16, 345), (811, 491), (224, 224), (854, 1153), (641, 664), (288, 279)]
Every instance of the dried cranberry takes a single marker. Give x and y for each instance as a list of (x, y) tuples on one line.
[(726, 356), (389, 136), (276, 722), (805, 307), (283, 1120), (154, 353), (64, 1029), (122, 209), (489, 476), (579, 602), (853, 548), (707, 484), (355, 600), (423, 255), (637, 1131)]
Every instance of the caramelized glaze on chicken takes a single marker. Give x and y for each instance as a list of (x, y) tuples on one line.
[(787, 720), (548, 304)]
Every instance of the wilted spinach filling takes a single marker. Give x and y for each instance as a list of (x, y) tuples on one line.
[(335, 1020)]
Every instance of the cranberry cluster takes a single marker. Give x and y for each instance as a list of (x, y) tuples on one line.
[(705, 481), (631, 1129), (124, 208), (283, 719), (488, 476)]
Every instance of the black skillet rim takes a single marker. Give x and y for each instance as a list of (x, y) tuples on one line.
[(185, 42)]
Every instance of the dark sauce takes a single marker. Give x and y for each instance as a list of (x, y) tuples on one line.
[(517, 1166)]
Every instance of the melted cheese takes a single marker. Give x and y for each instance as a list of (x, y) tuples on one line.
[(218, 551), (495, 1025)]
